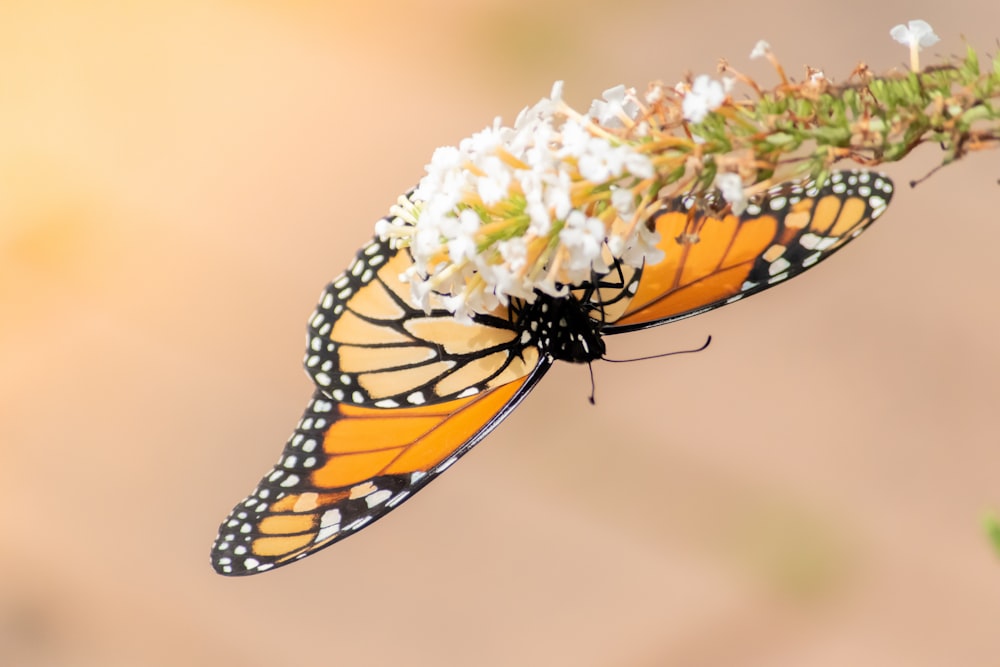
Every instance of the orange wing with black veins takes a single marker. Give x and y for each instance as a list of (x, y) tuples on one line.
[(346, 466), (710, 261)]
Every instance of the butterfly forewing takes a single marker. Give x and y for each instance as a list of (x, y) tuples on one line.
[(711, 261), (346, 466)]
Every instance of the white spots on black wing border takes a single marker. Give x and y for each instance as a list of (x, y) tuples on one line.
[(811, 259), (302, 454), (320, 350), (809, 240), (332, 303), (322, 358), (329, 525), (378, 497), (359, 273), (397, 499), (365, 502), (358, 523), (780, 263), (373, 498), (447, 463)]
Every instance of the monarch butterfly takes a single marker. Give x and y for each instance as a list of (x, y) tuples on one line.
[(401, 394)]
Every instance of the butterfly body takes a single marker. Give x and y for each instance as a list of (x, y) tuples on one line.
[(562, 329), (402, 393)]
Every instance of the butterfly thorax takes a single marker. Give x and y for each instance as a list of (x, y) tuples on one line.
[(561, 328)]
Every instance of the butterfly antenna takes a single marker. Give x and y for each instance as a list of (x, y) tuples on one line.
[(707, 342), (593, 387), (915, 183)]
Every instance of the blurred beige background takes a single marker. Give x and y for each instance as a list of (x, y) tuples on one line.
[(178, 181)]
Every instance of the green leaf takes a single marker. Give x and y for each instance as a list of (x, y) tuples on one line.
[(832, 136), (978, 112), (971, 65), (781, 139), (992, 527)]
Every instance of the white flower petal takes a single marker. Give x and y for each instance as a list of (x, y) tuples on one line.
[(731, 187), (760, 49), (705, 95), (916, 33)]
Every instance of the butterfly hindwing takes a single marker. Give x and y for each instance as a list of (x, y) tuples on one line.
[(401, 393), (368, 345)]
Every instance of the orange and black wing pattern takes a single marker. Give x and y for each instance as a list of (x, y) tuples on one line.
[(711, 261), (401, 395), (346, 466), (367, 344)]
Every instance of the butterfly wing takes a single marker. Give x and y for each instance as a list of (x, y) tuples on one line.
[(368, 345), (401, 395), (710, 261), (346, 466)]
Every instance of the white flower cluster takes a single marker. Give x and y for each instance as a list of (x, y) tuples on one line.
[(537, 206), (545, 205), (706, 94)]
